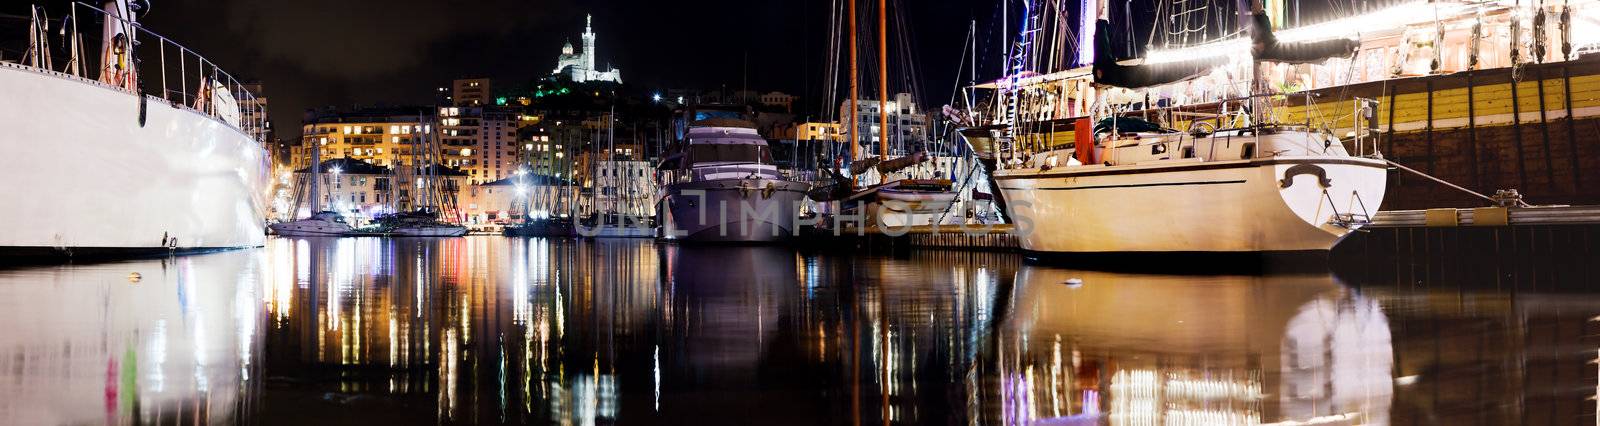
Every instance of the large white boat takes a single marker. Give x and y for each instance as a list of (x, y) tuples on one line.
[(721, 186), (98, 162), (1235, 180), (1251, 189)]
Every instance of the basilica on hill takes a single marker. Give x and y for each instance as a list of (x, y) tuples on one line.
[(579, 65)]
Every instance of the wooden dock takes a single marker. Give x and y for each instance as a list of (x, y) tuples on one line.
[(998, 237)]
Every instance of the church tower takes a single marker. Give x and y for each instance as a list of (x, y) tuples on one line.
[(588, 42)]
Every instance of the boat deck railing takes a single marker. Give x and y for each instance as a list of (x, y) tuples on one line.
[(69, 46)]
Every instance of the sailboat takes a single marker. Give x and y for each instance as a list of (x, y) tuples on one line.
[(623, 219), (1231, 181), (424, 220), (321, 223), (892, 201)]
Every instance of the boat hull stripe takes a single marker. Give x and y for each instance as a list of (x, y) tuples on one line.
[(1136, 185)]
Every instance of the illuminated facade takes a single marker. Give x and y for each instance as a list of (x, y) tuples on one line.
[(579, 65), (482, 141), (381, 137), (906, 123), (812, 131)]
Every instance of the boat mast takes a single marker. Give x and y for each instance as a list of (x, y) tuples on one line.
[(883, 80), (855, 137), (316, 175)]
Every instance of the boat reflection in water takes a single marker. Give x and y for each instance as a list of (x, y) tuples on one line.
[(147, 342), (492, 330), (1148, 349)]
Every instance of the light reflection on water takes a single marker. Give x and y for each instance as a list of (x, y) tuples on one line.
[(493, 330)]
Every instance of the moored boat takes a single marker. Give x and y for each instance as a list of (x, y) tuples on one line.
[(1232, 182), (721, 186), (322, 224), (1255, 189)]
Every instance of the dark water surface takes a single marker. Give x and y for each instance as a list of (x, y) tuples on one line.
[(489, 330)]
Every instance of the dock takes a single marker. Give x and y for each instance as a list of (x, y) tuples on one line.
[(991, 237)]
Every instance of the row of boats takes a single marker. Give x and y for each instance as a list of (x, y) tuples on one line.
[(1234, 181)]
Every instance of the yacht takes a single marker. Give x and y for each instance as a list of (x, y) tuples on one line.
[(321, 224), (721, 185), (110, 155)]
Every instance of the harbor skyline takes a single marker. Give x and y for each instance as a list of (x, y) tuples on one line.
[(993, 212)]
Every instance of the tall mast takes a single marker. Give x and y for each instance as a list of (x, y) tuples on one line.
[(316, 175), (883, 79), (855, 139)]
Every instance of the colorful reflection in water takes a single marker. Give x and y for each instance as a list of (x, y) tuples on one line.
[(487, 330)]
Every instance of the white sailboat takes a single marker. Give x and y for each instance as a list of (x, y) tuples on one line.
[(1230, 183), (320, 223), (100, 163)]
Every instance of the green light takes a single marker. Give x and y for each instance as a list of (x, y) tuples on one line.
[(500, 100)]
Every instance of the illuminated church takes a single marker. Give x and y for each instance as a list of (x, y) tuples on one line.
[(580, 66)]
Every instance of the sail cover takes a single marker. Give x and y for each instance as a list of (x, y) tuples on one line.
[(1264, 46), (1108, 72)]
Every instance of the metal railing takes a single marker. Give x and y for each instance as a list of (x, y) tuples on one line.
[(185, 78)]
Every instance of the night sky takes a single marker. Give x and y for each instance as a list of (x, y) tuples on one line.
[(321, 53), (342, 53)]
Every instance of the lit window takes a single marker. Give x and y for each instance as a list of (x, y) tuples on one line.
[(394, 129), (395, 139), (347, 130)]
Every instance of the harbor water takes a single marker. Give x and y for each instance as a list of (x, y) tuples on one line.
[(492, 330)]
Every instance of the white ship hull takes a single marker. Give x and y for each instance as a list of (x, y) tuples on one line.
[(1230, 206), (728, 213), (83, 176), (310, 228)]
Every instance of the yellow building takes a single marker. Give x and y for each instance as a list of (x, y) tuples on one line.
[(381, 137), (812, 131)]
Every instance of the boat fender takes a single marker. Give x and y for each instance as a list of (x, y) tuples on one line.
[(767, 192)]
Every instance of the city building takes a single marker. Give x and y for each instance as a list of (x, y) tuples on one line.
[(481, 141), (578, 65), (778, 100), (381, 136), (811, 131), (259, 103), (543, 155), (470, 92), (908, 127)]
